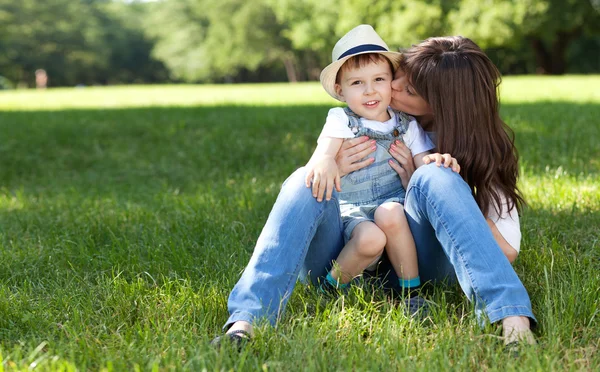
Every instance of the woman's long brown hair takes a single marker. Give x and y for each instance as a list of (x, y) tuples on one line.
[(460, 83)]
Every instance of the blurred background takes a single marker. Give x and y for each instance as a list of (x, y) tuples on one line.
[(51, 43)]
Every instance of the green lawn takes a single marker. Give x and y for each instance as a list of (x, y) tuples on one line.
[(128, 213)]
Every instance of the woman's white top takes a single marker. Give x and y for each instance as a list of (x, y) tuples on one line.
[(507, 224)]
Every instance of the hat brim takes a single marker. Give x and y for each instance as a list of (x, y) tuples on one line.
[(330, 72)]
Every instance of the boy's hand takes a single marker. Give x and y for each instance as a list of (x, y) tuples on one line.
[(324, 175), (446, 159)]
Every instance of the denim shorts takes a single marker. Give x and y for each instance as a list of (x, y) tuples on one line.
[(352, 215)]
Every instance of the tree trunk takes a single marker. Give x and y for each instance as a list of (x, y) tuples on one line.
[(559, 53), (543, 61), (553, 61), (290, 68)]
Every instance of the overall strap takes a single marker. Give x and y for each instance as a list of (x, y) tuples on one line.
[(353, 120), (402, 121)]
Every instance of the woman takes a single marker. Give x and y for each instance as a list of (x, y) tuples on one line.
[(451, 86)]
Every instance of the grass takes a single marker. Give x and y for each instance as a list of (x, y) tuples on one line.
[(128, 213)]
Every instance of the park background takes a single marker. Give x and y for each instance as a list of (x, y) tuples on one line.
[(133, 188), (99, 42)]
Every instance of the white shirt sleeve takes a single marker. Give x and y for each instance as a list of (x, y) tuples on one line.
[(416, 139), (507, 224), (336, 125)]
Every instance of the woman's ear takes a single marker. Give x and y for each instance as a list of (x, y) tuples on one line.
[(338, 91)]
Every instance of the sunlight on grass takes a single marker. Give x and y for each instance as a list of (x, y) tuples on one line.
[(567, 88), (11, 201), (559, 191), (513, 89), (165, 95)]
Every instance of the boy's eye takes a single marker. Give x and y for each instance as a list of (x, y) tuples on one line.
[(355, 82), (380, 79)]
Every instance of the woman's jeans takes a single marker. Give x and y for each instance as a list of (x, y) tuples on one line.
[(453, 240)]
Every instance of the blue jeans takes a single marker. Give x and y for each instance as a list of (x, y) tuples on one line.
[(302, 237)]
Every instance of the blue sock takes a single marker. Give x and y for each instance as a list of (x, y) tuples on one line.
[(333, 282), (409, 284)]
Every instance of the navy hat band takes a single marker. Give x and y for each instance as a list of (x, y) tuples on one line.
[(363, 48)]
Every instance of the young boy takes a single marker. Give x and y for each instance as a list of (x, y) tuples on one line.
[(370, 198)]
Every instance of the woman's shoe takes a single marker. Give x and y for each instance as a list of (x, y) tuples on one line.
[(238, 339)]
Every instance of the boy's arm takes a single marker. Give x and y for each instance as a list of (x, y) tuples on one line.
[(322, 169)]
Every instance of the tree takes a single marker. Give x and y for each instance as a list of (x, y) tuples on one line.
[(38, 34), (548, 26), (206, 40), (399, 23), (310, 26), (84, 41)]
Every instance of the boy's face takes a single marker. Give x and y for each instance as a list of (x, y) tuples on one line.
[(367, 90)]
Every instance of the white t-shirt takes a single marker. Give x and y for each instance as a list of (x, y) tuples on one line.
[(415, 138), (507, 224)]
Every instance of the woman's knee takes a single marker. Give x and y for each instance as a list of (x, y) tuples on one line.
[(436, 179)]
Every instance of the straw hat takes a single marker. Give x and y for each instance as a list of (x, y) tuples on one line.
[(360, 40)]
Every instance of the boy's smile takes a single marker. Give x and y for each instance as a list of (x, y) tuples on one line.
[(367, 90)]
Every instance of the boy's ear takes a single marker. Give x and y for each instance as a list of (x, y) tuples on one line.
[(338, 91)]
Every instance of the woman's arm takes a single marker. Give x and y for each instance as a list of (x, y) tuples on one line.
[(507, 249), (506, 229)]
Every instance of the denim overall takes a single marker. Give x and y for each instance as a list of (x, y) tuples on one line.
[(366, 189)]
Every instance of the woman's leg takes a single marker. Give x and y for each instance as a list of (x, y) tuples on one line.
[(299, 231), (439, 206)]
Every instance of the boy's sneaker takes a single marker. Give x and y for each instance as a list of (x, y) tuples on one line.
[(416, 306), (329, 289)]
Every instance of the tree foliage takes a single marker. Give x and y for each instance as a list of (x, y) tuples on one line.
[(75, 42), (206, 40), (549, 27), (125, 41)]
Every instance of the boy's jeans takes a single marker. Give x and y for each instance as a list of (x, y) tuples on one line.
[(302, 237)]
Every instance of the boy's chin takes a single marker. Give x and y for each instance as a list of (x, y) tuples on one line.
[(378, 116)]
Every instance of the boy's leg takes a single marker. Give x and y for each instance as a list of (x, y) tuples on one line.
[(296, 222), (366, 243), (400, 247)]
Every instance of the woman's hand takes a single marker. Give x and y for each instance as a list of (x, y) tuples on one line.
[(350, 156), (446, 159), (405, 165)]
